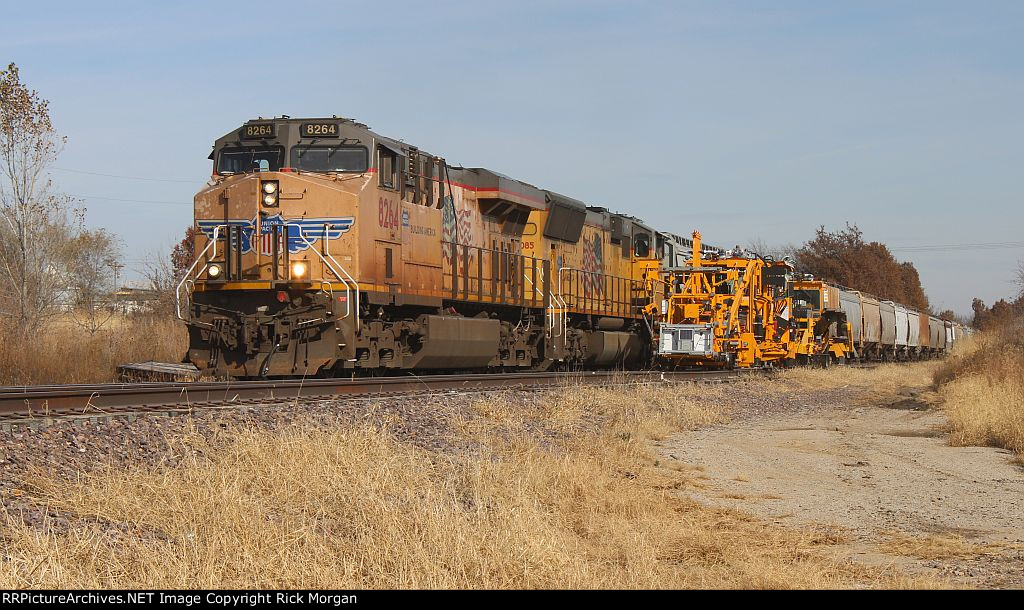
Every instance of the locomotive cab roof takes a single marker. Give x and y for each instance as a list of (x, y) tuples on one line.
[(284, 134)]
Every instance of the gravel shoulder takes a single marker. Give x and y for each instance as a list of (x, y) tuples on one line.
[(879, 470)]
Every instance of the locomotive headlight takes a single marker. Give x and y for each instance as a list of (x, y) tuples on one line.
[(270, 192), (298, 269), (213, 271)]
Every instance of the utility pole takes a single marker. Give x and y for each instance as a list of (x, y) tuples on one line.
[(116, 266)]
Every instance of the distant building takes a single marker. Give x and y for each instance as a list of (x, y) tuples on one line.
[(133, 300)]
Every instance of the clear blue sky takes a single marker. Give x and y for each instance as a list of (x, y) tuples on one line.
[(745, 120)]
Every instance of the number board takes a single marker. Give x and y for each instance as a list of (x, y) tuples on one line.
[(318, 130), (259, 131)]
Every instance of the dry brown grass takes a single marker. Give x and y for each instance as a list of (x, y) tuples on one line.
[(883, 381), (581, 504), (63, 352), (935, 546), (982, 387), (640, 411)]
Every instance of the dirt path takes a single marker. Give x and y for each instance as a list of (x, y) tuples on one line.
[(884, 474)]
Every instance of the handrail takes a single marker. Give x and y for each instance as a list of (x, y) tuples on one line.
[(580, 300), (344, 276), (564, 314), (565, 304), (355, 285), (177, 290), (329, 291), (551, 324), (468, 269), (348, 306), (533, 286)]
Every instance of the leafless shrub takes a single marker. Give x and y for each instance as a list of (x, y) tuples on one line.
[(40, 226), (94, 270)]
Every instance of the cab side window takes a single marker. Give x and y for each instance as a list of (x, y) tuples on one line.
[(641, 245), (387, 168)]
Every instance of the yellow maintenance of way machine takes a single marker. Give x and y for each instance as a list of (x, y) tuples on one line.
[(725, 310), (820, 332)]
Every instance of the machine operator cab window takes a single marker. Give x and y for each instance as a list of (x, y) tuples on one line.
[(778, 278), (723, 284), (806, 303), (641, 245)]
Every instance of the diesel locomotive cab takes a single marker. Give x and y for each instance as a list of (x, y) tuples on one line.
[(271, 292)]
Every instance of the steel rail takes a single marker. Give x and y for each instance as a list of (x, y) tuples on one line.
[(66, 400)]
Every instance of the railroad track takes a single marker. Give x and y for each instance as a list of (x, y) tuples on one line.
[(57, 401)]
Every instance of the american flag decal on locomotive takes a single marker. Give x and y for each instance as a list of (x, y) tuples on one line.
[(593, 266), (302, 232), (456, 231)]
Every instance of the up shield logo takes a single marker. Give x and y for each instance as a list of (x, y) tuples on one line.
[(302, 232)]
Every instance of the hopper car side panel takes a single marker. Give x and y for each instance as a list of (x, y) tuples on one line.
[(872, 322), (887, 326), (913, 330), (851, 304), (902, 326)]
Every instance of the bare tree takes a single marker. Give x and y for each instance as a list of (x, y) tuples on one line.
[(163, 272), (161, 279), (93, 279), (1020, 280), (760, 246), (39, 225)]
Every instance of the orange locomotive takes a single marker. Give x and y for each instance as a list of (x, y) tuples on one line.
[(324, 247)]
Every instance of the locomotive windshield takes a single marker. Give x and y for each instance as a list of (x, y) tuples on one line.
[(244, 160), (329, 158)]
